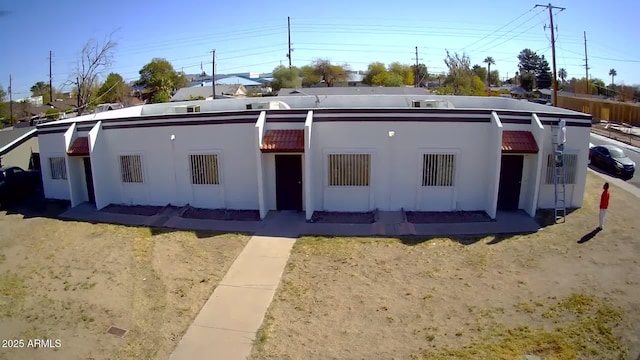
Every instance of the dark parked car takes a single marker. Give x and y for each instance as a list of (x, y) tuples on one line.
[(613, 159), (16, 184)]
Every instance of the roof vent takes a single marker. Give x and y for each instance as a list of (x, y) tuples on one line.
[(268, 105), (186, 109), (433, 104)]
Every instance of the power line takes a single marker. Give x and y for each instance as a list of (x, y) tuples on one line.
[(515, 36), (500, 28)]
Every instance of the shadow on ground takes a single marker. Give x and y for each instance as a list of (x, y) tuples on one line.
[(546, 217), (589, 236)]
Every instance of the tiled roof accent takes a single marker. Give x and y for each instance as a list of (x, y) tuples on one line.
[(283, 141), (518, 142), (79, 147)]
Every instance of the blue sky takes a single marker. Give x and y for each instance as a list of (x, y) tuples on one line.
[(252, 35)]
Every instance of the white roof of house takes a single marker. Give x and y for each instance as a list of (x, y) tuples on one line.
[(328, 102)]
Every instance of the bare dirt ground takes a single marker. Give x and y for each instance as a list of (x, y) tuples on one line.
[(71, 281), (562, 293)]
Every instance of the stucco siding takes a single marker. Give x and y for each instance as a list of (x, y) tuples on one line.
[(52, 146), (396, 165), (166, 166)]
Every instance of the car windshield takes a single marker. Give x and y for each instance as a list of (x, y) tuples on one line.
[(616, 153)]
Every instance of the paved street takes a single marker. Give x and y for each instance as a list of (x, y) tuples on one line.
[(633, 153)]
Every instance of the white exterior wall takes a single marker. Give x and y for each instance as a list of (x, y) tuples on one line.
[(53, 145), (493, 163), (167, 177), (101, 176), (396, 165), (577, 143)]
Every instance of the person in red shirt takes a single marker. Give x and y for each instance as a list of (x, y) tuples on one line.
[(604, 204)]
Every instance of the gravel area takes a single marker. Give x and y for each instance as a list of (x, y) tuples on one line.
[(133, 210), (342, 217), (430, 217), (222, 214)]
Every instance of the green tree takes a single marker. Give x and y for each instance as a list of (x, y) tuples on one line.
[(479, 71), (613, 73), (460, 77), (373, 69), (3, 94), (405, 72), (161, 79), (422, 74), (527, 80), (113, 89), (489, 61), (562, 74), (309, 76), (387, 79), (284, 77), (52, 114), (530, 62), (330, 73), (41, 89), (494, 78)]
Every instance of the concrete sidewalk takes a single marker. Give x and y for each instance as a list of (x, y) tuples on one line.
[(226, 326)]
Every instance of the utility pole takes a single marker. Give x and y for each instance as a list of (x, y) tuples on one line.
[(289, 39), (416, 74), (586, 64), (213, 72), (553, 50), (10, 100), (50, 79)]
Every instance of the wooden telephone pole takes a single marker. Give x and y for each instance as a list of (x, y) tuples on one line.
[(416, 71), (213, 72), (289, 39), (553, 50), (586, 64), (10, 100), (50, 78)]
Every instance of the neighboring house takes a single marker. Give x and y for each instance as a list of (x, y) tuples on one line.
[(544, 94), (206, 92), (319, 153), (518, 92), (17, 145), (108, 107)]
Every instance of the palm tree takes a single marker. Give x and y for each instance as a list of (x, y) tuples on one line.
[(562, 74), (613, 74), (489, 61)]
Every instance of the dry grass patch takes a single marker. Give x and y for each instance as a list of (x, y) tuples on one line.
[(480, 298), (72, 281)]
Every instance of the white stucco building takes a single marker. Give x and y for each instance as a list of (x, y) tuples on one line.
[(318, 153)]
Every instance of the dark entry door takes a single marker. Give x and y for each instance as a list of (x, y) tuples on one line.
[(289, 182), (88, 175), (510, 180)]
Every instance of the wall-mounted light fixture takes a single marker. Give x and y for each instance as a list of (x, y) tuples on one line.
[(173, 137), (392, 133)]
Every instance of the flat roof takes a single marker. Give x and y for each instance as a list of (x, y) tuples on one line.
[(337, 102)]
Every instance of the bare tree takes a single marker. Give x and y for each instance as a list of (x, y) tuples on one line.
[(96, 57)]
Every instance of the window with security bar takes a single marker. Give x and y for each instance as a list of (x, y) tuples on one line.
[(438, 169), (131, 168), (570, 162), (58, 167), (349, 169), (204, 169)]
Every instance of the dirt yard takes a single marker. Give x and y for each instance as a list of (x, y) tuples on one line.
[(71, 281), (562, 293)]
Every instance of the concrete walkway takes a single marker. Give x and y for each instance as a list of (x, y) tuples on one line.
[(227, 324)]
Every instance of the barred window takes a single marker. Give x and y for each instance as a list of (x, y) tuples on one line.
[(204, 169), (349, 169), (58, 167), (570, 168), (438, 169), (131, 168)]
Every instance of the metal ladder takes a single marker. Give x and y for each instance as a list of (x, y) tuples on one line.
[(559, 180)]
